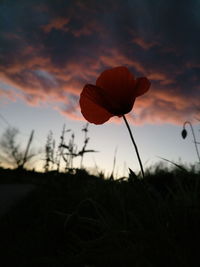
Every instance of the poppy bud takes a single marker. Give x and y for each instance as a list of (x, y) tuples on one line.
[(184, 133)]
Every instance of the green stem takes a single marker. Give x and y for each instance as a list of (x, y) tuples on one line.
[(133, 141)]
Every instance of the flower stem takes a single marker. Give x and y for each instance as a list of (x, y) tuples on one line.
[(195, 141), (133, 141)]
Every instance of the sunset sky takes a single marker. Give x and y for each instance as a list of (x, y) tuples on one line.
[(49, 49)]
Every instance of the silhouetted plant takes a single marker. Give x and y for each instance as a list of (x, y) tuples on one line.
[(12, 152), (182, 168), (49, 152), (68, 156), (184, 135), (60, 149), (66, 151), (114, 164), (71, 150), (86, 140)]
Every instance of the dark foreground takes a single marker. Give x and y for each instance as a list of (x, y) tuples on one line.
[(83, 220)]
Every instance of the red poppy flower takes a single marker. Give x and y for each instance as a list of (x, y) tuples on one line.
[(113, 95)]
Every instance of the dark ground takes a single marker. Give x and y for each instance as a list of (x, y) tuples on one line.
[(83, 220)]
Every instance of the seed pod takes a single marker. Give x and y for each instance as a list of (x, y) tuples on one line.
[(184, 133)]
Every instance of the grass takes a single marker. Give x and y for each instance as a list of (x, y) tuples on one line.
[(84, 220)]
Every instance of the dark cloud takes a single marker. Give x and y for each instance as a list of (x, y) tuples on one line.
[(49, 49)]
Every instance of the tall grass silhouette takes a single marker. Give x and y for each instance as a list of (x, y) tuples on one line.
[(11, 151), (66, 150)]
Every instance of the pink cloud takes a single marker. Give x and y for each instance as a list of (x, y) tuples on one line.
[(59, 23), (159, 106), (113, 57), (162, 77), (87, 28), (144, 44), (39, 81)]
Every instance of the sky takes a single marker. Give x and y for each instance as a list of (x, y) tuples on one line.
[(49, 49)]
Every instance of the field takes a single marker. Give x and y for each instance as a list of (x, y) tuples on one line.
[(84, 220)]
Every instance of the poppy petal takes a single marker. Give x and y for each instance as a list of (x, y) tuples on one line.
[(118, 86), (91, 108), (142, 86)]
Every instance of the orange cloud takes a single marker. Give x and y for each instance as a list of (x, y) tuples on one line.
[(44, 73), (87, 28), (59, 23), (114, 57), (163, 107), (144, 44), (42, 82), (162, 77)]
